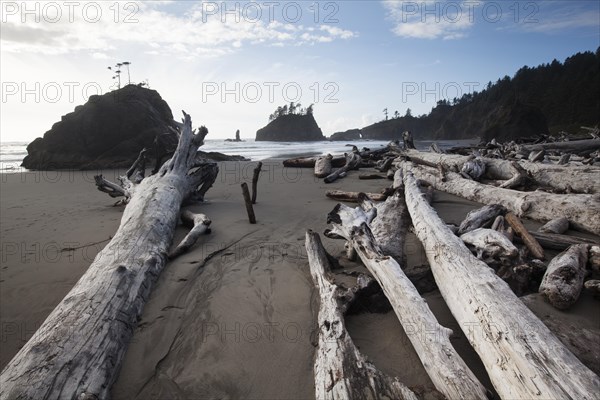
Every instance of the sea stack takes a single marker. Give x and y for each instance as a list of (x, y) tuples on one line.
[(291, 128)]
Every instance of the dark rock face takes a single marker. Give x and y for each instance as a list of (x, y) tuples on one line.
[(291, 128), (106, 132), (351, 134)]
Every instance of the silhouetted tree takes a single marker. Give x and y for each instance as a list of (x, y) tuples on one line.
[(385, 112), (408, 113)]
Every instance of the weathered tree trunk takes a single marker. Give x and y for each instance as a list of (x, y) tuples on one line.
[(575, 146), (480, 218), (78, 350), (447, 370), (309, 162), (352, 162), (582, 179), (557, 225), (559, 242), (522, 357), (323, 166), (563, 279), (352, 197), (490, 245), (341, 372), (582, 210)]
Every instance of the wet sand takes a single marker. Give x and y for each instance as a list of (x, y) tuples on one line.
[(234, 317)]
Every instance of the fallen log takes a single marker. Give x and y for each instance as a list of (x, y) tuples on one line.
[(340, 371), (581, 179), (534, 247), (557, 225), (520, 177), (370, 176), (77, 351), (557, 241), (582, 210), (392, 222), (575, 146), (481, 218), (564, 276), (323, 166), (473, 168), (352, 162), (352, 197), (521, 363), (445, 367), (309, 162), (491, 246)]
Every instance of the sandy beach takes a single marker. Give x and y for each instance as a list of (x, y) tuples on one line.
[(235, 317)]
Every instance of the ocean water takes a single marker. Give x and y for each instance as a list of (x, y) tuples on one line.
[(12, 153)]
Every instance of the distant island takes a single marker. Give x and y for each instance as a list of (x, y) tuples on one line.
[(291, 124), (549, 98)]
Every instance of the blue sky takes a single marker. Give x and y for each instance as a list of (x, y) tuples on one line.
[(352, 59)]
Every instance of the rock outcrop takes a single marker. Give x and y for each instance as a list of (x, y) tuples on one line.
[(291, 128), (106, 132), (350, 134)]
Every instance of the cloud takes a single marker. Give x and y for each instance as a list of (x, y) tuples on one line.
[(154, 26), (558, 16), (429, 19)]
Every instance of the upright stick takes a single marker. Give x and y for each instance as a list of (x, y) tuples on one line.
[(248, 202), (255, 181)]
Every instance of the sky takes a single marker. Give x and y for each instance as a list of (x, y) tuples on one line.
[(230, 64)]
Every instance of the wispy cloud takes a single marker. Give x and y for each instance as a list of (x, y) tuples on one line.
[(429, 19), (154, 27), (557, 16)]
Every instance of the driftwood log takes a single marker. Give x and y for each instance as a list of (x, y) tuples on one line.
[(248, 203), (581, 179), (575, 146), (556, 241), (532, 244), (323, 166), (558, 225), (481, 218), (340, 371), (352, 197), (309, 162), (563, 279), (524, 360), (353, 161), (445, 367), (77, 351), (582, 210)]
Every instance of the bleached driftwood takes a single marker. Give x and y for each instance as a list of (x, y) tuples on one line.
[(447, 370), (473, 168), (341, 195), (594, 258), (309, 162), (255, 176), (593, 286), (522, 363), (575, 146), (582, 210), (559, 242), (199, 224), (353, 161), (500, 225), (340, 371), (490, 245), (77, 351), (323, 166), (564, 276), (391, 224), (557, 225), (520, 177), (481, 218), (582, 179)]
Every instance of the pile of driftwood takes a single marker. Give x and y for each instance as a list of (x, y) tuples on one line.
[(479, 267)]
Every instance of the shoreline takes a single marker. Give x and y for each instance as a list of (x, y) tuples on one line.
[(234, 312)]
